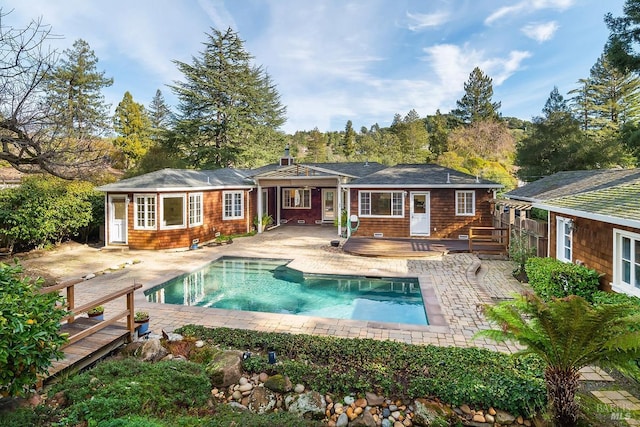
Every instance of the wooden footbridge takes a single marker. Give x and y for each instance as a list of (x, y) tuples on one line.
[(90, 339)]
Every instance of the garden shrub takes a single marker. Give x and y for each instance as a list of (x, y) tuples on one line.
[(552, 278), (116, 388), (29, 331), (343, 366), (45, 210)]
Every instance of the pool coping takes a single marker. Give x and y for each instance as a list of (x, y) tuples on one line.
[(254, 320)]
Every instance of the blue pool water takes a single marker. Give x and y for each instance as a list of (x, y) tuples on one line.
[(268, 285)]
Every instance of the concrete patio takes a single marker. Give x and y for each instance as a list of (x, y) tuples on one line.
[(454, 286)]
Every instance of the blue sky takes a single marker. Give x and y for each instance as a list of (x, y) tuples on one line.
[(339, 60)]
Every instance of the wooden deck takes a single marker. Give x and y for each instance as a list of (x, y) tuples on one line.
[(86, 351), (403, 248)]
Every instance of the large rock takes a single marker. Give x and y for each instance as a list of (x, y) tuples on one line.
[(279, 383), (503, 417), (152, 351), (225, 368), (373, 399), (364, 420), (310, 405), (427, 411), (261, 400)]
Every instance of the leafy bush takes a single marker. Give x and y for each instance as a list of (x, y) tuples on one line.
[(552, 278), (29, 331), (46, 210), (342, 366), (116, 388)]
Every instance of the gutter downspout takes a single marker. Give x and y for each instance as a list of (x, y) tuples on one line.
[(259, 208), (340, 207), (249, 210)]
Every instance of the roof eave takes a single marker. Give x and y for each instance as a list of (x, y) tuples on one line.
[(171, 189), (626, 222), (403, 186)]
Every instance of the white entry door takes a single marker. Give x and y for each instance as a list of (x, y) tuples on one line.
[(118, 219), (420, 222), (328, 204)]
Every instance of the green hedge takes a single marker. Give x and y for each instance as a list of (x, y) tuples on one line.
[(551, 278), (342, 366)]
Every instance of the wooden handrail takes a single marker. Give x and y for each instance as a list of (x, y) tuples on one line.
[(74, 311)]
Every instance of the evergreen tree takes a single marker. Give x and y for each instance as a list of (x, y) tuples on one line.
[(582, 103), (160, 116), (476, 104), (316, 146), (75, 92), (229, 110), (349, 140), (555, 143), (624, 38), (133, 127), (438, 133)]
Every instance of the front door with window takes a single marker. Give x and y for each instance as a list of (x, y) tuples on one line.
[(564, 239), (118, 220), (328, 204), (420, 222)]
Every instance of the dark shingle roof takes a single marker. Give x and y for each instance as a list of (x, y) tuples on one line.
[(422, 175), (356, 169), (573, 182), (169, 179)]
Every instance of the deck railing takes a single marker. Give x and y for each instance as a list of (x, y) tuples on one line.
[(74, 311), (489, 240)]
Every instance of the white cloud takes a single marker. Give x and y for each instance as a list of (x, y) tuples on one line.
[(528, 6), (541, 32), (424, 20)]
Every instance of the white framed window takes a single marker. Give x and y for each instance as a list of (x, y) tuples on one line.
[(172, 211), (145, 209), (626, 262), (465, 203), (381, 204), (296, 198), (195, 209), (564, 239), (233, 204)]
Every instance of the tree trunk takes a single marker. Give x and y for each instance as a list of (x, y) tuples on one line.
[(562, 385)]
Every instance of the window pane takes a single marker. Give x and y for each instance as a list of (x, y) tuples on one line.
[(626, 248), (380, 203), (227, 205), (365, 203), (636, 251), (637, 276), (237, 208), (626, 272), (397, 204), (172, 211)]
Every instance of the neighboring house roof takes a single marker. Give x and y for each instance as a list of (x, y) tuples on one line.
[(181, 179), (572, 182), (421, 175), (619, 204)]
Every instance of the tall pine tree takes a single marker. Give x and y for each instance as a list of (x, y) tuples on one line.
[(229, 110), (75, 92), (477, 104), (160, 116)]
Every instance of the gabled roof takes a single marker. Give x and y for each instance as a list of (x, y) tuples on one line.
[(181, 179), (571, 183), (618, 204), (421, 175)]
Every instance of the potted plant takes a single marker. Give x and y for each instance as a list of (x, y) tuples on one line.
[(262, 222), (141, 318), (96, 313), (223, 240)]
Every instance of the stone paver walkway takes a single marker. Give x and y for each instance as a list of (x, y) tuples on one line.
[(454, 286)]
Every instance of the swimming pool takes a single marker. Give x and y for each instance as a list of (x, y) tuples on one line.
[(269, 285)]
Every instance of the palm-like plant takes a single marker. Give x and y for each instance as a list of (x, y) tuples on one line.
[(567, 334)]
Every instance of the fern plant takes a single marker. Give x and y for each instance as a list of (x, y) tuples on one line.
[(568, 334)]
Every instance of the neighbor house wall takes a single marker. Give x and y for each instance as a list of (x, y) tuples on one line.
[(443, 221), (592, 244)]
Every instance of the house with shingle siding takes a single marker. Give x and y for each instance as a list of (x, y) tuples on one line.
[(594, 219), (174, 208)]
